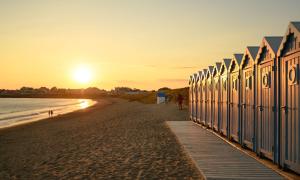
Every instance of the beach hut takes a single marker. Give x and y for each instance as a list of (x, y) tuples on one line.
[(191, 97), (200, 98), (216, 96), (195, 96), (266, 99), (203, 95), (234, 97), (248, 96), (289, 58), (160, 97), (224, 86), (209, 97)]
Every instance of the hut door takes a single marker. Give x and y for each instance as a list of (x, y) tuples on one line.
[(191, 101), (196, 102), (266, 110), (199, 101), (216, 104), (209, 104), (223, 106), (203, 116), (247, 108), (290, 110), (234, 107)]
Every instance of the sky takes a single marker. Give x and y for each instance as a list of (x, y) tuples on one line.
[(144, 44)]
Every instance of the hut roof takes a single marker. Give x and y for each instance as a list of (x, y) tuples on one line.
[(273, 42), (204, 71), (217, 68), (195, 77), (199, 73), (238, 57), (191, 79), (251, 52), (296, 24), (227, 62), (269, 42), (293, 27), (218, 65), (209, 70)]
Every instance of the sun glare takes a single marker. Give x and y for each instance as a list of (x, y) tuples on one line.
[(82, 74)]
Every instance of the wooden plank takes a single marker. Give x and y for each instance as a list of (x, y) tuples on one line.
[(215, 158)]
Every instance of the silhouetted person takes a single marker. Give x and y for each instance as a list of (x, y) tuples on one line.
[(180, 101), (166, 99), (49, 113)]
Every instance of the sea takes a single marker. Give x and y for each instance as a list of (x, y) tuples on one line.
[(15, 111)]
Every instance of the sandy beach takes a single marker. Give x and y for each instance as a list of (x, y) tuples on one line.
[(113, 139)]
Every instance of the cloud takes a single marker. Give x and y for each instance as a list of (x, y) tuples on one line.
[(171, 67), (185, 67), (126, 81), (173, 80)]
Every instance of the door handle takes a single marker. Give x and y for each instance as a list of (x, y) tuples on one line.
[(260, 108), (284, 108), (244, 105)]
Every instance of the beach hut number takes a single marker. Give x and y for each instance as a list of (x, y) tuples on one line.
[(249, 83), (293, 74), (234, 84), (266, 80)]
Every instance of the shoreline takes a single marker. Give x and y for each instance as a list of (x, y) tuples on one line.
[(45, 116)]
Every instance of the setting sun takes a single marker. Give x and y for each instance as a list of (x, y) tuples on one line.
[(82, 74)]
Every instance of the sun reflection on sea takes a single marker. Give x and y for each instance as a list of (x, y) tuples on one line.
[(84, 103)]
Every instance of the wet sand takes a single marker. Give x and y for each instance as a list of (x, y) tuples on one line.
[(113, 139)]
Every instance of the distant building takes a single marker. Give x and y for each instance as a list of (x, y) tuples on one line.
[(161, 97)]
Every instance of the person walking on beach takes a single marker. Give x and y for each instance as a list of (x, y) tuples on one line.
[(180, 101), (50, 113)]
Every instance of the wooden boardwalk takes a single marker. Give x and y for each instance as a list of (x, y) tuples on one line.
[(215, 158)]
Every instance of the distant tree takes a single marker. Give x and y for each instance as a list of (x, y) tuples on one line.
[(93, 90), (164, 89), (53, 89), (26, 88), (43, 90), (62, 91)]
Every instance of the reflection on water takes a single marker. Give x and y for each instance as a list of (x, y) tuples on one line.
[(84, 103), (14, 111)]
